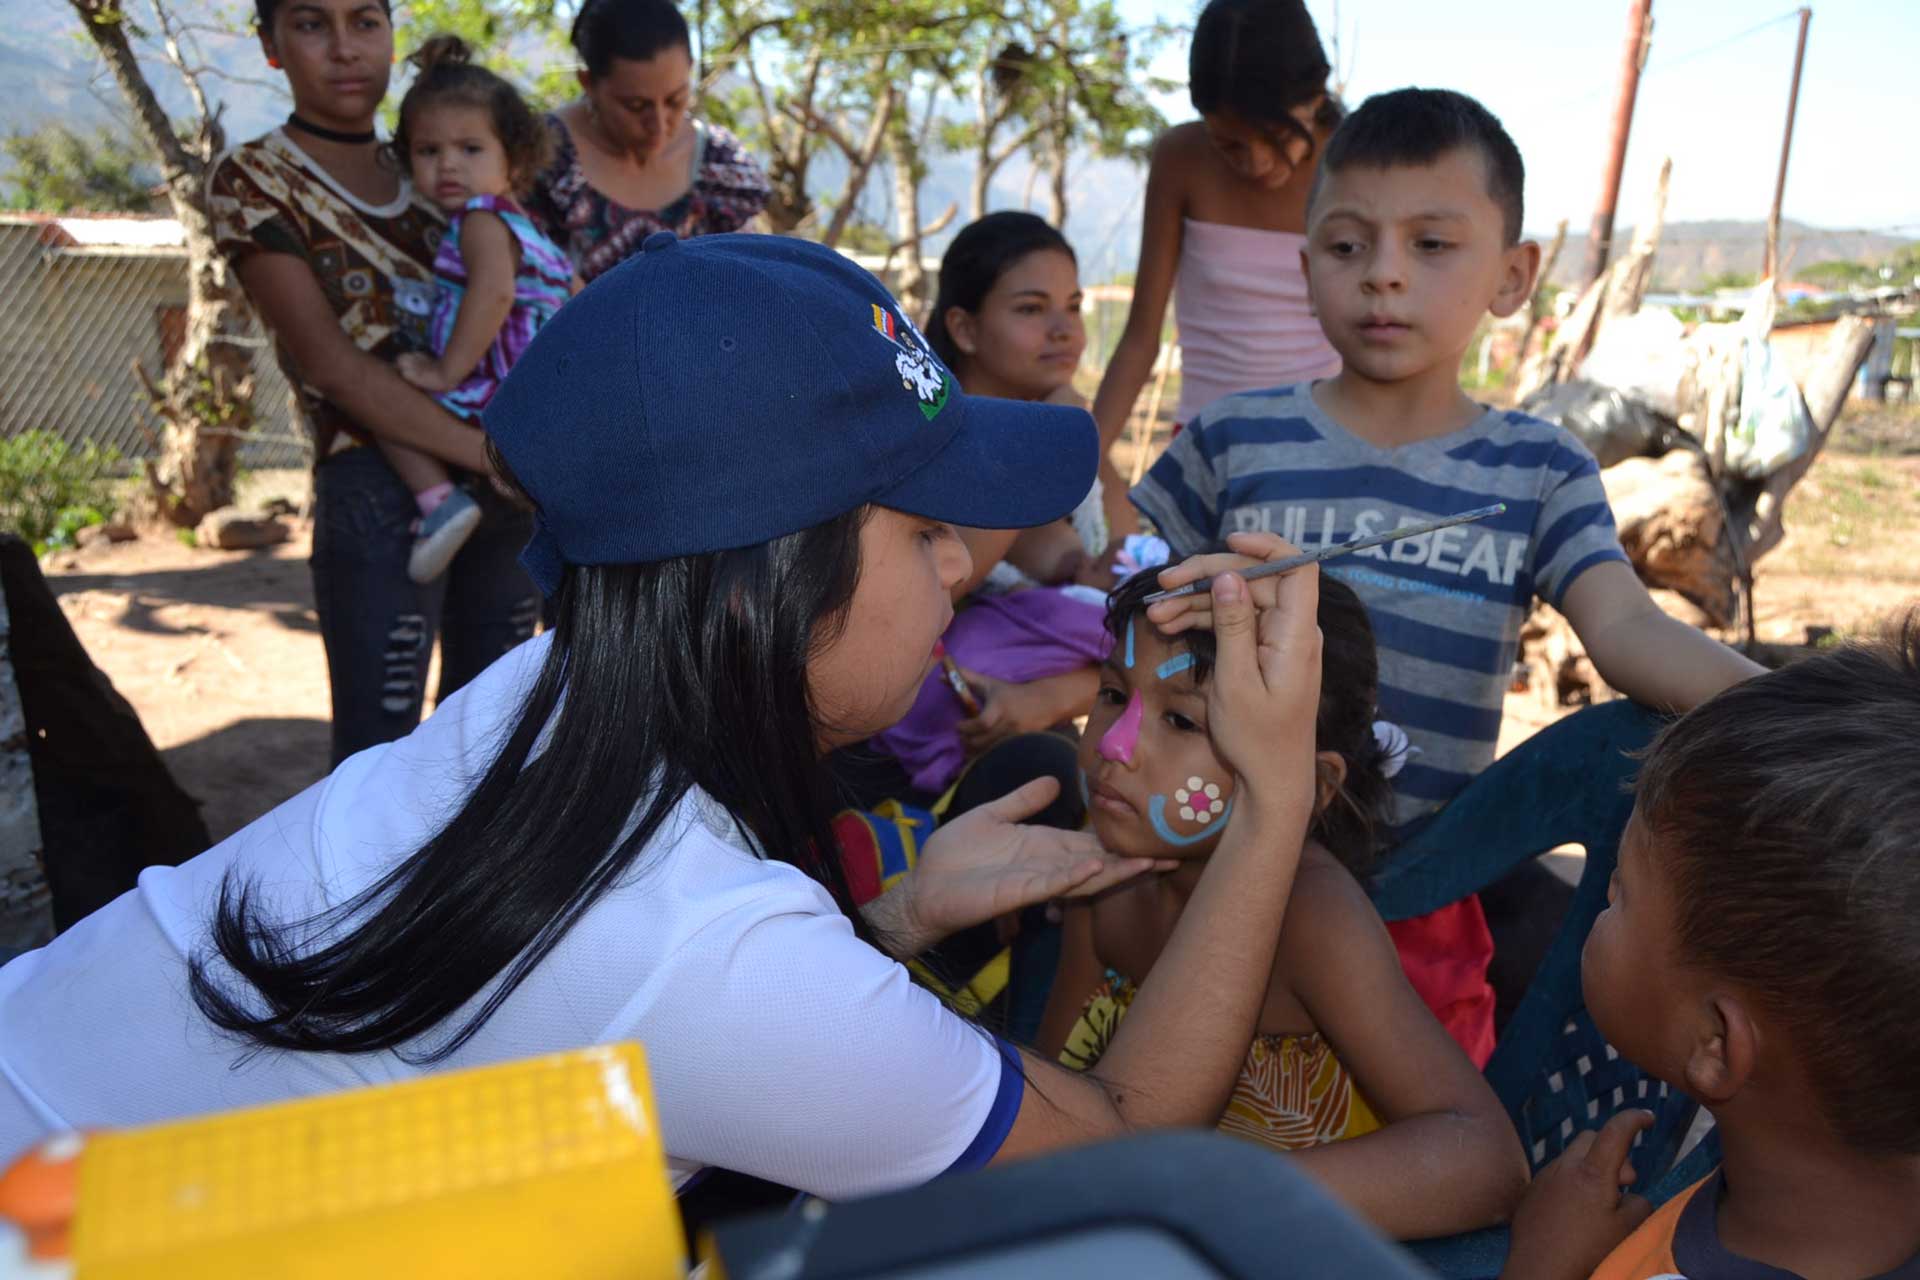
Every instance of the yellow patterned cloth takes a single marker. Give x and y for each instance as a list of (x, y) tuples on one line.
[(1292, 1091)]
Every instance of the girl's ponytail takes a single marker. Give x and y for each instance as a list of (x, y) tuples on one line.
[(443, 50)]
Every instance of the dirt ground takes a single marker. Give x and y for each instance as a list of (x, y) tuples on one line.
[(220, 651)]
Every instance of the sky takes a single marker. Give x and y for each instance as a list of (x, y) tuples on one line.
[(1711, 97)]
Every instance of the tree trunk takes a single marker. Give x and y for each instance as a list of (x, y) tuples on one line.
[(1059, 140), (860, 157), (203, 400), (910, 286), (1672, 529)]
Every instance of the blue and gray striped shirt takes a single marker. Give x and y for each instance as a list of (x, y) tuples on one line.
[(1446, 607)]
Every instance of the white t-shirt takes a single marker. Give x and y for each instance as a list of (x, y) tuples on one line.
[(780, 1044)]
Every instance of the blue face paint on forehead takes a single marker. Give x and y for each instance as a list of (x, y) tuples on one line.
[(1129, 661), (1174, 666)]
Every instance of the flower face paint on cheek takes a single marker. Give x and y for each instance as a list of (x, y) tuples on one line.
[(1199, 802), (1118, 742)]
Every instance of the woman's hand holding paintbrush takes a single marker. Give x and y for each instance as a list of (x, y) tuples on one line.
[(1183, 613)]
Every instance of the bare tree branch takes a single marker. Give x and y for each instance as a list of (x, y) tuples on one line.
[(1019, 144), (861, 162), (933, 228), (170, 47), (105, 25)]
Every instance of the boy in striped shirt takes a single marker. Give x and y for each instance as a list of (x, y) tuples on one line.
[(1413, 234)]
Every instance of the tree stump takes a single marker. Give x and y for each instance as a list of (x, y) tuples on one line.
[(1673, 529), (230, 529)]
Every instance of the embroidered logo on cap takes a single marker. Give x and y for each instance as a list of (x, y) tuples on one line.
[(914, 361)]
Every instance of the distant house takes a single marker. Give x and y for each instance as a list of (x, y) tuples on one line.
[(82, 297)]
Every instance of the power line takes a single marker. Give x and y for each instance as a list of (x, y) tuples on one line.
[(1657, 65), (1717, 45)]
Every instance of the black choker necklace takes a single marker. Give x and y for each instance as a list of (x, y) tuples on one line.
[(331, 135)]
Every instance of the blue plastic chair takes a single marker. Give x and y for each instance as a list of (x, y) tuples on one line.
[(1552, 1070)]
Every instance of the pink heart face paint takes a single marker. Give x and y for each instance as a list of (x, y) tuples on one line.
[(1118, 742)]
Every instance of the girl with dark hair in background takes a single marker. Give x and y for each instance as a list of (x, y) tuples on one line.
[(620, 831), (1226, 220), (335, 248), (1007, 322), (629, 157)]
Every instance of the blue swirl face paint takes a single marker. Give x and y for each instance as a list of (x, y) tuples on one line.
[(1174, 666), (1129, 654), (1157, 817)]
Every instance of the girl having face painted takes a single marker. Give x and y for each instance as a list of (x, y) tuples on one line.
[(1348, 1068)]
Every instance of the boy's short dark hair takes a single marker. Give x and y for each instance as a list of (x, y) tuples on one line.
[(1785, 814), (1411, 127)]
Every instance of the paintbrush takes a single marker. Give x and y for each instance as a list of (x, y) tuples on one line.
[(1338, 549), (957, 682)]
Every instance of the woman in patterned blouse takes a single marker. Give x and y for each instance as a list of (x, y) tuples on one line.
[(335, 249), (628, 158)]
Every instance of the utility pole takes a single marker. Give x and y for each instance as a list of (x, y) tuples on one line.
[(1786, 146), (1600, 235)]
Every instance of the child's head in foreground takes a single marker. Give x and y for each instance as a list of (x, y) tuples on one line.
[(463, 131), (1761, 946), (1154, 785), (1413, 231)]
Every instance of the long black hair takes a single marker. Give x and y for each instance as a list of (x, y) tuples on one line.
[(636, 30), (661, 677), (1349, 824), (985, 250), (1260, 59)]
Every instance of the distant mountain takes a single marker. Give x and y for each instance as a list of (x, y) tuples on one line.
[(52, 74), (1692, 253)]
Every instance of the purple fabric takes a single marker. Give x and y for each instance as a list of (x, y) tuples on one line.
[(1027, 635)]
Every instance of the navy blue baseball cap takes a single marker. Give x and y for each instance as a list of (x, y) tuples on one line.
[(725, 391)]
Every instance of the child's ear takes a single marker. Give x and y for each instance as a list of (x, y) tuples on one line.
[(963, 329), (1726, 1042), (1329, 775), (1519, 268), (1306, 273)]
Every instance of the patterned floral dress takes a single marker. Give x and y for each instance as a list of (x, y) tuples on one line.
[(728, 188), (540, 287), (1292, 1091)]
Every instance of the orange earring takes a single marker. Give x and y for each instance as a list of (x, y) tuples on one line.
[(274, 63)]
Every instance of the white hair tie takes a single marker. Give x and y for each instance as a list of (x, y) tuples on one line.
[(1140, 551), (1394, 746)]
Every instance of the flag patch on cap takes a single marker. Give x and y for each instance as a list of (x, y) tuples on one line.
[(920, 371)]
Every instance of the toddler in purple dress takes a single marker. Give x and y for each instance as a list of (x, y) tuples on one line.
[(471, 142)]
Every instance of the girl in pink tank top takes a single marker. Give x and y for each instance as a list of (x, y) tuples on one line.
[(1226, 216)]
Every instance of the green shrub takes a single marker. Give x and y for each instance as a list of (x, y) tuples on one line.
[(49, 490)]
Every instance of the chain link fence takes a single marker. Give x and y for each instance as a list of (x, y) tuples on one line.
[(83, 298)]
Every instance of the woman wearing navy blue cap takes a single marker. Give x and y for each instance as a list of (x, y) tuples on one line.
[(746, 466)]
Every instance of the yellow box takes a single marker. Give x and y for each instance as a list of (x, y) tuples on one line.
[(550, 1167)]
